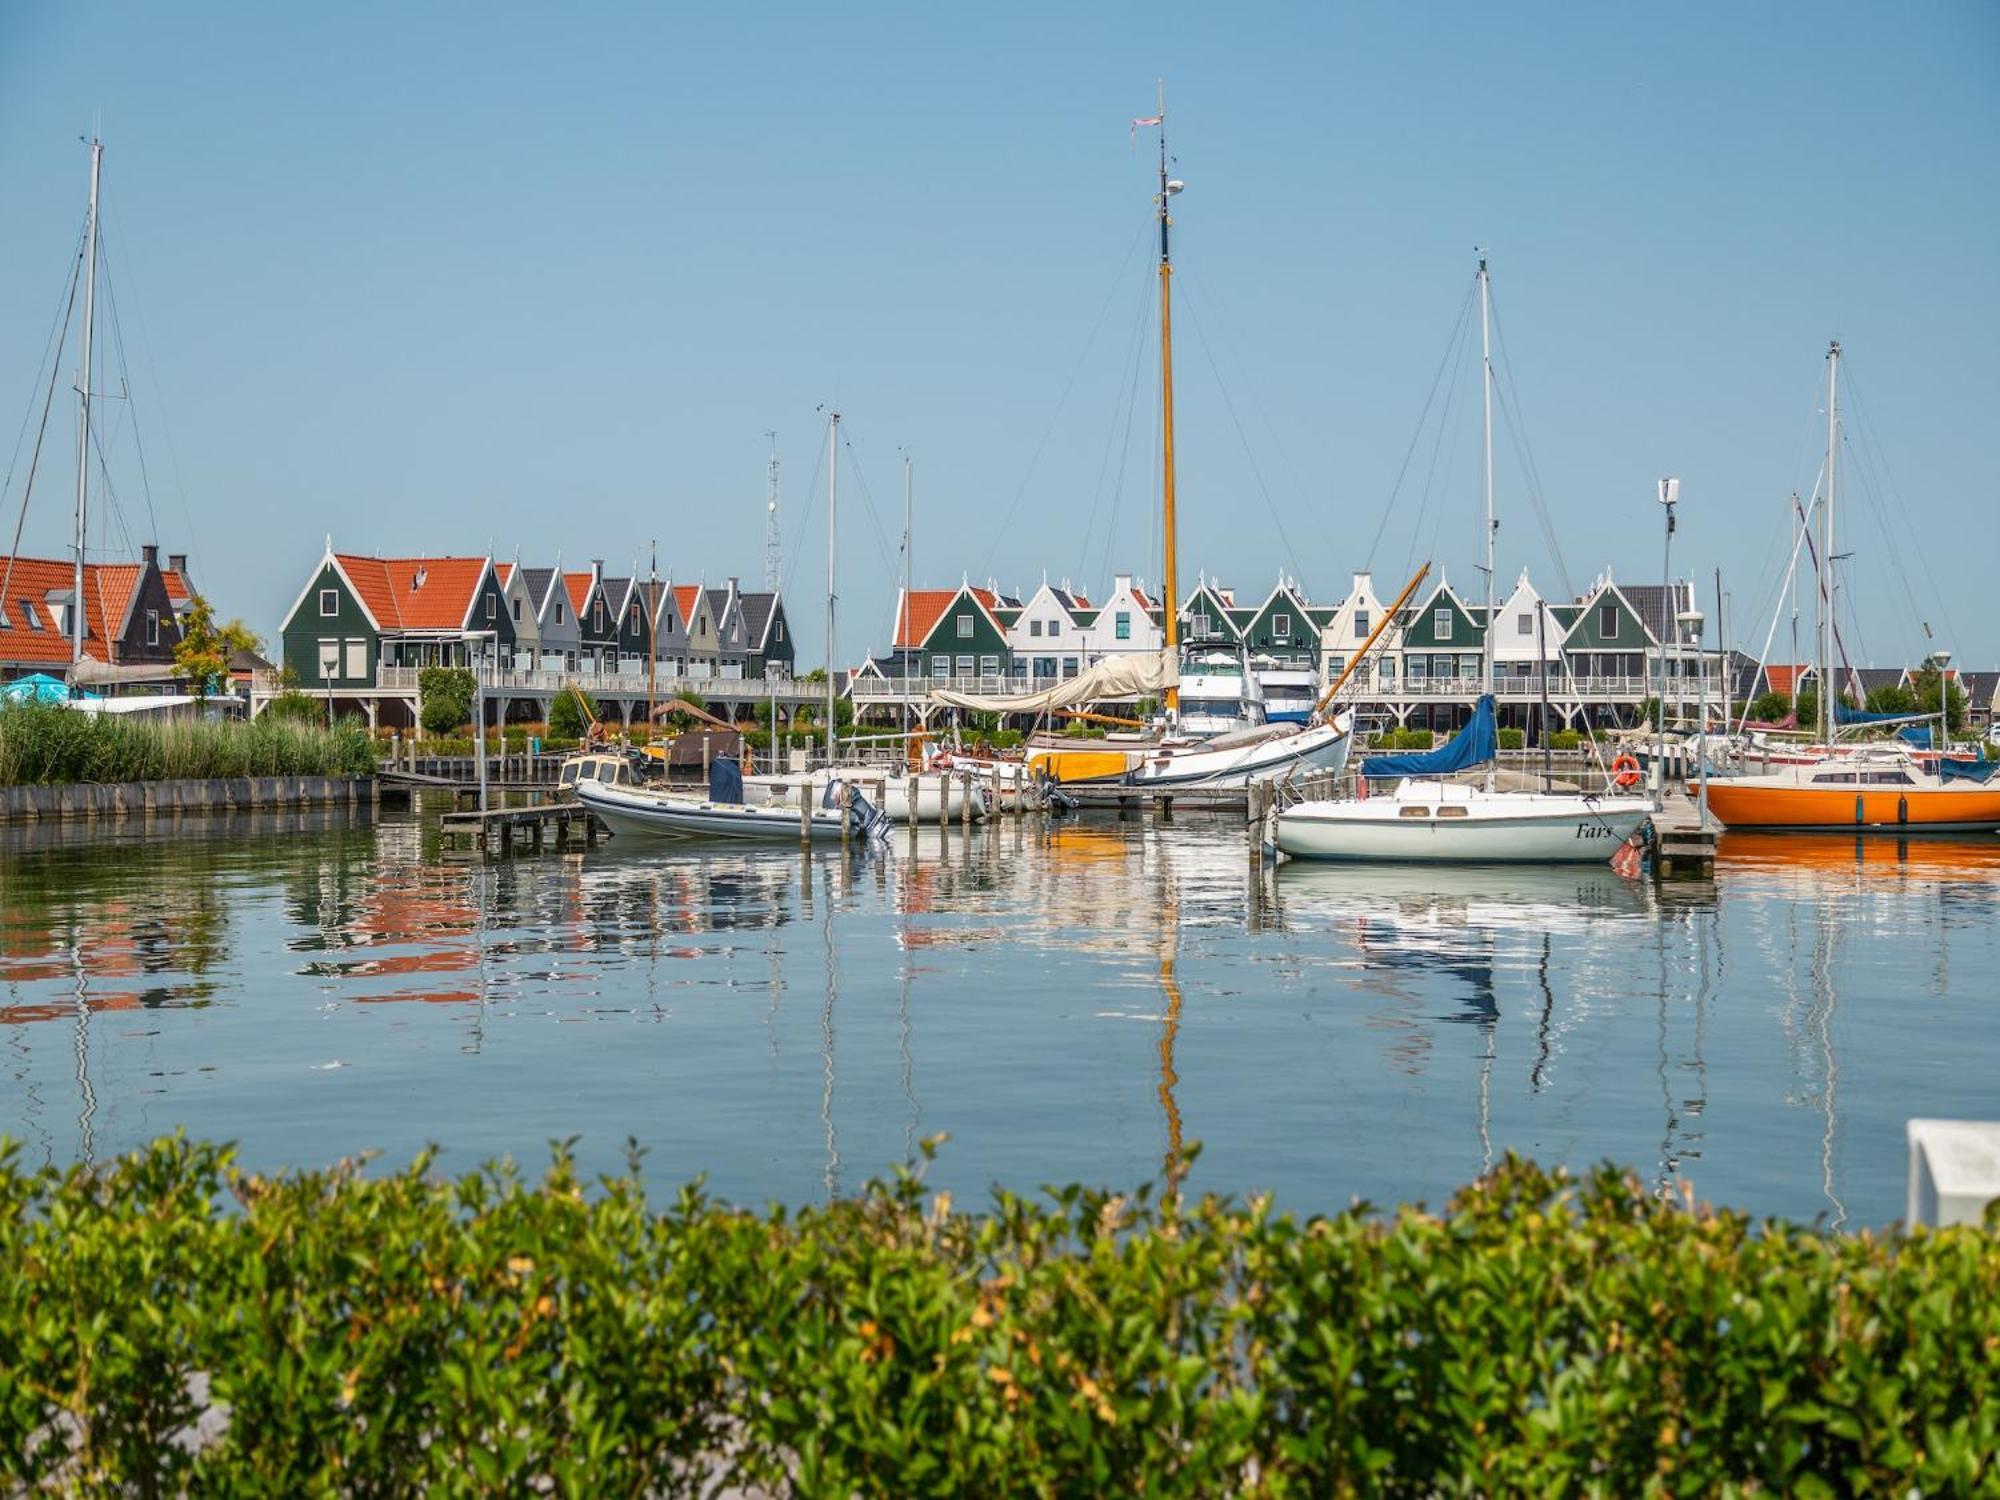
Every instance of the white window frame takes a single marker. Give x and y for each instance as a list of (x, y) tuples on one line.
[(1607, 612), (1361, 619), (329, 603), (963, 625), (1281, 628), (1441, 622), (152, 627), (989, 666), (940, 666), (1121, 625)]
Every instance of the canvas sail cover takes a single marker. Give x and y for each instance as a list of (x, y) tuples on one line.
[(1140, 674), (1952, 769), (1842, 714), (1473, 745)]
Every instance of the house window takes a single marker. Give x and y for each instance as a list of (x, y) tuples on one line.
[(357, 659), (1441, 622), (1281, 627), (5, 623), (1416, 668), (989, 666), (1198, 627), (559, 613), (329, 659), (1034, 627), (1055, 627), (517, 611), (329, 603), (1607, 621), (1361, 624), (1069, 666), (597, 617), (940, 666), (965, 666), (778, 630), (965, 627), (635, 619), (1525, 625), (1336, 665), (29, 614), (492, 607), (1388, 669), (1045, 666), (152, 627), (1123, 625)]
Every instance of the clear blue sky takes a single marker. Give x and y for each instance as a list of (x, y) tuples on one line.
[(534, 277)]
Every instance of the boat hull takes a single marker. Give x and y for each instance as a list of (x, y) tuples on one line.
[(642, 814), (900, 802), (1321, 748), (1845, 808), (1559, 830)]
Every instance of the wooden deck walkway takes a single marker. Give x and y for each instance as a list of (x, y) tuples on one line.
[(1682, 848), (498, 830)]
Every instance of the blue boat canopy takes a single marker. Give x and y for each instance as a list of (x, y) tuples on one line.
[(1842, 714), (1472, 746), (1967, 770)]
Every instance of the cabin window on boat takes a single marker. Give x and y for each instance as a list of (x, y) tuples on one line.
[(329, 603), (965, 627), (1889, 778), (1124, 625), (1451, 812), (1413, 812), (1607, 621), (1834, 778)]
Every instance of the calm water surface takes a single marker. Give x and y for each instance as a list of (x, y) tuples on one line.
[(1066, 1001)]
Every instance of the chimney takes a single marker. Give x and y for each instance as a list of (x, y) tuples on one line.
[(1121, 584), (596, 569), (178, 562), (151, 554)]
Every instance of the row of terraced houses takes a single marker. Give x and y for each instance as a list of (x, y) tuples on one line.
[(1595, 657), (363, 629)]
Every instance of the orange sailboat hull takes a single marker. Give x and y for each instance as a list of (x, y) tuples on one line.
[(1748, 805)]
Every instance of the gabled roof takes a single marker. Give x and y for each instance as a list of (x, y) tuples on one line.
[(179, 590), (926, 606), (1650, 602), (1780, 675), (414, 593), (578, 586), (540, 584), (659, 596), (617, 593), (686, 597), (759, 610), (110, 595)]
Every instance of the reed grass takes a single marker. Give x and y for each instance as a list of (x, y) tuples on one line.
[(42, 745)]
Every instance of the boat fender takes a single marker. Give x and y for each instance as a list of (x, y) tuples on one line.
[(1625, 771), (1902, 809)]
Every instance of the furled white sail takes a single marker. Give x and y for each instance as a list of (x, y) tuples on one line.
[(1113, 680)]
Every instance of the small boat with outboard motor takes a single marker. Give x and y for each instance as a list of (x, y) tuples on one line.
[(628, 808)]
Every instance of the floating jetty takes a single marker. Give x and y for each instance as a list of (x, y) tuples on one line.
[(498, 830)]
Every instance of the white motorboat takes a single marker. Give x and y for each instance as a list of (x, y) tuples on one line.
[(647, 812), (1218, 697), (1449, 822), (1260, 754), (1290, 694)]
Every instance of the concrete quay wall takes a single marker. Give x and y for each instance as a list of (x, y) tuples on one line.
[(221, 794)]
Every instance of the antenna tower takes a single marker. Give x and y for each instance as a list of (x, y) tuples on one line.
[(772, 554)]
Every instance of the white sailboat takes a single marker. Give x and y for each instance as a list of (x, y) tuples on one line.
[(1430, 819)]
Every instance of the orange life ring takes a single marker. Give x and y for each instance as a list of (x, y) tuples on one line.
[(1625, 771)]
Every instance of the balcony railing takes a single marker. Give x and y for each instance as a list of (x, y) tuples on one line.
[(1628, 689), (626, 681)]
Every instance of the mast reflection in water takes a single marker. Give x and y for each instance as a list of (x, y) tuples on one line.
[(1067, 1001)]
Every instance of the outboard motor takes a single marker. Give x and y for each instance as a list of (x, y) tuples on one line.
[(864, 817), (725, 781)]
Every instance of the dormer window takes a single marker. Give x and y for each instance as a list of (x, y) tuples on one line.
[(964, 623), (152, 627), (1281, 628), (1441, 622), (1525, 625), (418, 581), (329, 603), (1361, 624), (1607, 621)]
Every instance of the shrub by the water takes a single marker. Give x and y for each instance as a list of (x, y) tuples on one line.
[(570, 713), (401, 1334), (300, 708), (1565, 739), (50, 744), (1513, 739), (446, 694)]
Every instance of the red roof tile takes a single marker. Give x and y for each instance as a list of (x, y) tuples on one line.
[(107, 595), (686, 596), (927, 604), (415, 593)]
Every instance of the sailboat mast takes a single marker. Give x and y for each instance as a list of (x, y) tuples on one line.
[(1826, 683), (1171, 604), (909, 533), (76, 616), (1486, 395), (832, 476)]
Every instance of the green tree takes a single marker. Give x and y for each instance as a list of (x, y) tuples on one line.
[(1894, 699), (570, 714), (447, 698), (1923, 691), (203, 651)]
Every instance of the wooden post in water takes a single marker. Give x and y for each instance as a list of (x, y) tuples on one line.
[(805, 815), (965, 805), (993, 805), (846, 812)]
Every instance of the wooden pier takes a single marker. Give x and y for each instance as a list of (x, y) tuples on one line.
[(500, 830), (1682, 848)]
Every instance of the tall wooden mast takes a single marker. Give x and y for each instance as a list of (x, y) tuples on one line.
[(1170, 605)]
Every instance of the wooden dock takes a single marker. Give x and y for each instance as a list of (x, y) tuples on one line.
[(1682, 848), (500, 831)]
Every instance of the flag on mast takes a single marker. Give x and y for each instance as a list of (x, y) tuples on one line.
[(1137, 123)]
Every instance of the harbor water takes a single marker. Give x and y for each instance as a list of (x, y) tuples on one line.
[(1066, 1000)]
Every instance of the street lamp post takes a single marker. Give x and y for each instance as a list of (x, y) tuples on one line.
[(1670, 494), (1937, 661), (476, 641)]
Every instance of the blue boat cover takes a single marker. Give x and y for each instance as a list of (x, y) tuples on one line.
[(1842, 714), (1915, 734), (1472, 746), (40, 688), (1967, 770), (725, 781)]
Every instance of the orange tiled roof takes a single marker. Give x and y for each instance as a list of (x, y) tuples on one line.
[(925, 605), (107, 595), (503, 572), (686, 596), (1781, 676), (415, 593), (577, 586), (178, 588)]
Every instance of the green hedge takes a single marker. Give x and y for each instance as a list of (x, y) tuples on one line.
[(52, 745), (400, 1334), (1565, 739)]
